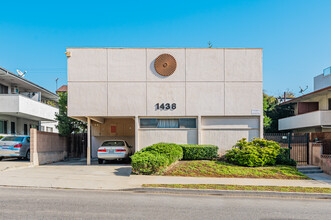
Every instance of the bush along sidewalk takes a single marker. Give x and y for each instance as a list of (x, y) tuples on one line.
[(258, 152), (199, 152), (155, 158)]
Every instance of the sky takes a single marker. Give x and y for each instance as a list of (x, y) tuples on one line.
[(295, 34)]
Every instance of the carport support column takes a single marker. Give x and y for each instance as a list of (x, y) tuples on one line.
[(199, 130), (88, 159), (136, 133)]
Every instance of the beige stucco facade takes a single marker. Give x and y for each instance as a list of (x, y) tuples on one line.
[(220, 88)]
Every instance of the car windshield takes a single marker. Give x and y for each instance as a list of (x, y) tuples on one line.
[(113, 143), (12, 139)]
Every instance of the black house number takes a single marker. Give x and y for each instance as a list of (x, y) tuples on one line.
[(165, 106)]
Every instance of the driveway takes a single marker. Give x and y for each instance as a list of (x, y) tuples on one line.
[(13, 163)]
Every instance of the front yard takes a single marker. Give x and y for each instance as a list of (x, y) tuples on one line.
[(202, 168)]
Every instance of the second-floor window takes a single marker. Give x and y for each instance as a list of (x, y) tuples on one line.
[(3, 89)]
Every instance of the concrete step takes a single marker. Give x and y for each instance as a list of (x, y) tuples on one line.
[(309, 169)]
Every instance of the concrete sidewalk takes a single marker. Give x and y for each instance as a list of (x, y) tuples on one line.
[(116, 177)]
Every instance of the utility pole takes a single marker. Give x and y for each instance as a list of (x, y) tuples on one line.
[(56, 83)]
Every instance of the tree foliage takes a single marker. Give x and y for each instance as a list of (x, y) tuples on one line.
[(272, 111), (67, 125)]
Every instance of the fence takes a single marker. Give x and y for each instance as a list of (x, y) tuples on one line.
[(77, 145), (298, 143)]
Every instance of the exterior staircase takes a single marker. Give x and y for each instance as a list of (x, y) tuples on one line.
[(309, 169)]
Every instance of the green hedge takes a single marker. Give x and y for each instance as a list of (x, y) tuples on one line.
[(258, 152), (172, 152), (283, 158), (199, 152), (155, 158), (148, 163)]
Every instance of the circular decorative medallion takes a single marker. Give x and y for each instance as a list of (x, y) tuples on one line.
[(165, 64)]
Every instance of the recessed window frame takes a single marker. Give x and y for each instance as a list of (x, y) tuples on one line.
[(154, 122)]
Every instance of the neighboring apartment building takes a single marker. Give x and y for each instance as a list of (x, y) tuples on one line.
[(25, 105), (312, 111), (181, 95)]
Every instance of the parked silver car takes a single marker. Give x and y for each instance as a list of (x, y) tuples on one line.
[(15, 146), (114, 150)]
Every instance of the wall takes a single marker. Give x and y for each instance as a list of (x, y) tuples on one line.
[(325, 163), (47, 147), (219, 82), (177, 135), (322, 81), (226, 131)]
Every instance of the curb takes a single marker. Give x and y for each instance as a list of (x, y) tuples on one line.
[(231, 193)]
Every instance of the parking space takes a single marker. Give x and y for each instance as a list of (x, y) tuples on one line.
[(13, 163)]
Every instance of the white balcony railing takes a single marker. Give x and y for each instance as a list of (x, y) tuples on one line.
[(22, 106), (311, 119)]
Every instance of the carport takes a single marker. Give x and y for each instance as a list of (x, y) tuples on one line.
[(100, 129)]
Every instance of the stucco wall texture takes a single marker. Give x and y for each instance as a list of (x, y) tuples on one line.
[(219, 82)]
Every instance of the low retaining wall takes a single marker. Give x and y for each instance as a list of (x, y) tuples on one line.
[(46, 147), (325, 163)]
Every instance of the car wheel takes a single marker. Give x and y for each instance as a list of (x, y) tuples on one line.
[(27, 157), (100, 161)]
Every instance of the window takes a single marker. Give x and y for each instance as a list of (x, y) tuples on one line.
[(329, 104), (168, 123), (25, 129), (113, 143), (3, 89), (11, 138), (12, 128), (2, 130), (28, 139)]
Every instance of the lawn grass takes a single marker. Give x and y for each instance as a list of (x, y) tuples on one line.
[(201, 168), (244, 188)]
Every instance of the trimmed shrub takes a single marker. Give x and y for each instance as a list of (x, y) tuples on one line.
[(258, 152), (1, 137), (199, 152), (148, 163), (172, 152), (283, 158)]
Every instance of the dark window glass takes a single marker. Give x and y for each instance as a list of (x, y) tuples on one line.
[(148, 123), (25, 129), (3, 89), (28, 139), (329, 104), (2, 127), (113, 143), (5, 127), (9, 138), (12, 128), (187, 123)]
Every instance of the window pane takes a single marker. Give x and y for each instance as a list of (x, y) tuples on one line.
[(187, 123), (167, 123), (2, 127), (148, 123)]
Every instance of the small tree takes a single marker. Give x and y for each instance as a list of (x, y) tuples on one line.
[(67, 125)]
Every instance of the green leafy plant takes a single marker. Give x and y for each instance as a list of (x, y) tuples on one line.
[(67, 125), (284, 157), (172, 152), (258, 152), (148, 163), (199, 152), (155, 158), (1, 137)]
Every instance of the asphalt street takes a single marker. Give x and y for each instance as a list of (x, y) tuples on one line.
[(27, 203)]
